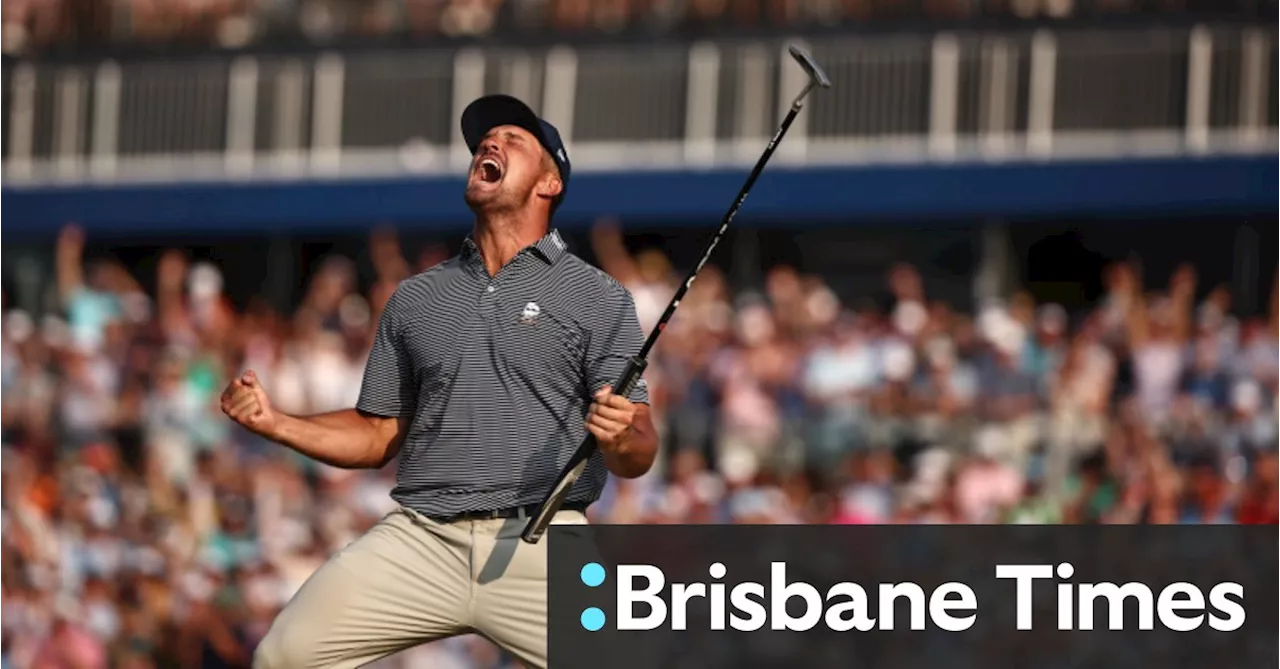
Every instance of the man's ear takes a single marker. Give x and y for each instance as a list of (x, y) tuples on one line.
[(550, 186)]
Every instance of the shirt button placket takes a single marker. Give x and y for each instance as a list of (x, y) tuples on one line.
[(489, 297), (486, 306)]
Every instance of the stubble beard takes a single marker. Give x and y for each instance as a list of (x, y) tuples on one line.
[(504, 199), (484, 203)]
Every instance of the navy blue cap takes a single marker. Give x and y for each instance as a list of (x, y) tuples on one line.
[(491, 111)]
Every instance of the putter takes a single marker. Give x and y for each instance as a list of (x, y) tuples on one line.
[(635, 367)]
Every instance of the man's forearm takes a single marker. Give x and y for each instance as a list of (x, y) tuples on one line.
[(343, 439)]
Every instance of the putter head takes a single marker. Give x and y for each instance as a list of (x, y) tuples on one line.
[(810, 65)]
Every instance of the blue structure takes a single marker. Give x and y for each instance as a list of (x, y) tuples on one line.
[(1220, 185)]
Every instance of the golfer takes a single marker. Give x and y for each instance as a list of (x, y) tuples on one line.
[(486, 373)]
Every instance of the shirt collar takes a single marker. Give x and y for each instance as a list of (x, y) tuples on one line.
[(549, 248)]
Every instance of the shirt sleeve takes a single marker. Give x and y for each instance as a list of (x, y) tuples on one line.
[(615, 336), (388, 387)]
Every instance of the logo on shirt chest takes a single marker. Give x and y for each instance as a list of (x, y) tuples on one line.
[(529, 315)]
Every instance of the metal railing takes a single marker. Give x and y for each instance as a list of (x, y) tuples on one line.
[(910, 97)]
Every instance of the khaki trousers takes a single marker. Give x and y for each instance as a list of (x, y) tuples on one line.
[(411, 580)]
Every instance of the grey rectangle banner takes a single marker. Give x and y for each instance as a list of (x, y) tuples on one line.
[(912, 596)]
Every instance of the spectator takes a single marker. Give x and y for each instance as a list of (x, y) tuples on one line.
[(838, 379), (1011, 396), (1079, 393), (1261, 499), (140, 532)]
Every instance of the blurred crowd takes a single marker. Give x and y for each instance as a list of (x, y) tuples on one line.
[(141, 530), (31, 26)]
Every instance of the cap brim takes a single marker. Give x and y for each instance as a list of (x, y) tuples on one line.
[(491, 111)]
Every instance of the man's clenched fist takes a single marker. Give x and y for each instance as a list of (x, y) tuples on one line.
[(245, 402)]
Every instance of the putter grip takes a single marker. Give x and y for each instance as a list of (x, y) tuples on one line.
[(630, 376)]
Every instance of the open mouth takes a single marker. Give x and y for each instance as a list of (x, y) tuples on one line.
[(490, 171)]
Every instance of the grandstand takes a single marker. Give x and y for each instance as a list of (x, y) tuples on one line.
[(1018, 266)]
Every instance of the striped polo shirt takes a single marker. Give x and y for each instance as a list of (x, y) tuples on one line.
[(497, 374)]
